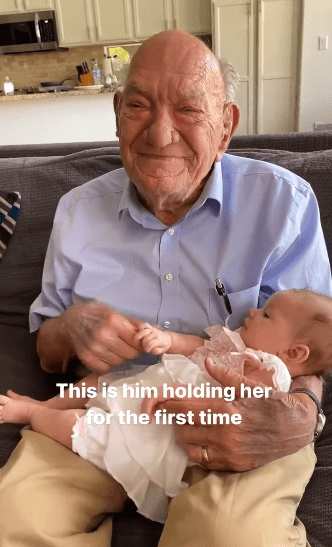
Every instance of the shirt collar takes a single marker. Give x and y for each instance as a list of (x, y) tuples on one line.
[(212, 195)]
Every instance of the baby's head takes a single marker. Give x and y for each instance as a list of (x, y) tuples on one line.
[(295, 325)]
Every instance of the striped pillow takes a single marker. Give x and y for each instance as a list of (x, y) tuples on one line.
[(10, 203)]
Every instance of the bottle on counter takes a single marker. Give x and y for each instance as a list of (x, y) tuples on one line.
[(96, 72), (8, 86)]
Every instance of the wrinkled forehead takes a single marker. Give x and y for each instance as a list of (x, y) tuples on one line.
[(191, 71)]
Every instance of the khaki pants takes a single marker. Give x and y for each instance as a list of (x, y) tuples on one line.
[(50, 497)]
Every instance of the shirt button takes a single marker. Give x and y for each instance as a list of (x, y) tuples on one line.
[(171, 231), (169, 277), (167, 324)]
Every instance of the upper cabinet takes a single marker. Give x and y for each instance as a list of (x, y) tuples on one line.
[(110, 22), (85, 22), (152, 16), (192, 16), (33, 5), (75, 22), (11, 6), (113, 20), (149, 20), (17, 6)]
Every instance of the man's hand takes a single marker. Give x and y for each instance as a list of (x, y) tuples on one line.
[(95, 333), (270, 429), (153, 339)]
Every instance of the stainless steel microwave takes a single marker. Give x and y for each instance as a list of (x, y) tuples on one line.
[(27, 32)]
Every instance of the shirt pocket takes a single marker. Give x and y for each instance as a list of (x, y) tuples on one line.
[(241, 302)]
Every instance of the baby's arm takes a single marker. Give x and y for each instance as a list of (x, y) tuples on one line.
[(157, 341), (66, 402)]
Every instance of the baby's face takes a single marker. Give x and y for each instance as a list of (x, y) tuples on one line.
[(271, 328)]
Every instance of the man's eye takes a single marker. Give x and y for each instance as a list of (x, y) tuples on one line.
[(135, 105)]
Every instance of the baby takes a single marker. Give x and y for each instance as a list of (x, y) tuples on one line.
[(289, 337)]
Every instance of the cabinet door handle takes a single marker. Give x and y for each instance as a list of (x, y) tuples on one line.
[(26, 2)]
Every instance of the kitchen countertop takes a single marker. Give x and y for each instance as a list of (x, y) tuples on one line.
[(53, 94)]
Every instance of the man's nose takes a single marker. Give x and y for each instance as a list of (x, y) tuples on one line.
[(161, 131)]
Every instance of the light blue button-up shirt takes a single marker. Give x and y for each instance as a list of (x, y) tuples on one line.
[(255, 227)]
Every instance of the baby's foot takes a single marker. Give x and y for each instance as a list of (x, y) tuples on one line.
[(23, 398), (13, 412)]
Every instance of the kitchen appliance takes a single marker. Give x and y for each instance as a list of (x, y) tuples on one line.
[(27, 32)]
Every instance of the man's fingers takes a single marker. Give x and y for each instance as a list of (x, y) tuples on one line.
[(124, 329), (228, 377)]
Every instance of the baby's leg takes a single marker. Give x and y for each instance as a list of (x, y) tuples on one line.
[(56, 424), (64, 402)]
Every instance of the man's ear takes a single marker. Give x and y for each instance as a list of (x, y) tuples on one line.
[(117, 99), (297, 354), (231, 118)]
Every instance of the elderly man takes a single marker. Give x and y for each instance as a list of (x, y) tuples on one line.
[(148, 241)]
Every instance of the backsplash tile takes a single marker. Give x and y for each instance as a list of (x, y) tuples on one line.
[(30, 69)]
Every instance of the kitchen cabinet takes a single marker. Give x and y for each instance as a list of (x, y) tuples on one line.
[(102, 21), (192, 16), (154, 16), (10, 6), (75, 22), (33, 5), (150, 20), (113, 20), (17, 6), (260, 38)]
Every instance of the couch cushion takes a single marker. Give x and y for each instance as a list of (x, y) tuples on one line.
[(41, 183)]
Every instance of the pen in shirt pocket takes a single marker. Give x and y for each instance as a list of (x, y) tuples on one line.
[(220, 287)]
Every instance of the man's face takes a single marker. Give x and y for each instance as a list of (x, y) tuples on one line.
[(170, 122)]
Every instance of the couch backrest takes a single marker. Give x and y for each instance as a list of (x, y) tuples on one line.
[(41, 183)]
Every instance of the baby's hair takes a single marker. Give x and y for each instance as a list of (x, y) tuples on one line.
[(316, 333)]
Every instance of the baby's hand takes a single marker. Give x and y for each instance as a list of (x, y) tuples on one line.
[(154, 340)]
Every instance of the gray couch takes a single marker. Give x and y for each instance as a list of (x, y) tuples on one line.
[(42, 174)]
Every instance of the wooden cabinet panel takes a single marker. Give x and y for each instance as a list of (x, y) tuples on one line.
[(277, 66), (10, 6), (192, 16), (260, 38), (32, 5), (113, 20), (150, 17), (233, 41), (74, 23)]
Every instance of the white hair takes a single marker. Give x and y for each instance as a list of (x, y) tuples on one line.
[(230, 77)]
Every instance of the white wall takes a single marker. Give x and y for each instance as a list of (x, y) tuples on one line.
[(315, 100), (58, 119)]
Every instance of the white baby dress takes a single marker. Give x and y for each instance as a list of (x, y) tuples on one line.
[(145, 458)]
